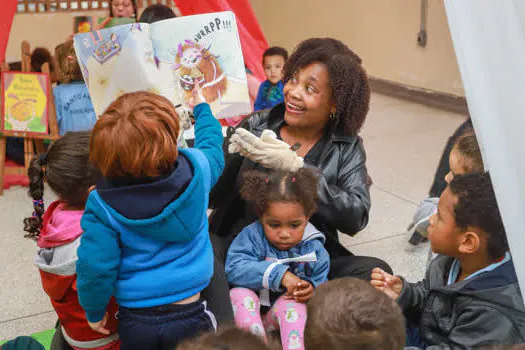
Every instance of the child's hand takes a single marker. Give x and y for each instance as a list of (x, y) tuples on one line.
[(197, 96), (290, 282), (387, 283), (100, 326), (303, 291)]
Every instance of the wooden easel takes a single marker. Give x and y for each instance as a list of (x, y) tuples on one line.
[(30, 141)]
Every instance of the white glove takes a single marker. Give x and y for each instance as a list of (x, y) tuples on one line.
[(266, 150)]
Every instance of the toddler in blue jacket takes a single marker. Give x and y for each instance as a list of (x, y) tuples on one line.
[(146, 237), (281, 256), (271, 90)]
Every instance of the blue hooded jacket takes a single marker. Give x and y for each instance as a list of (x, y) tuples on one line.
[(164, 256), (253, 263)]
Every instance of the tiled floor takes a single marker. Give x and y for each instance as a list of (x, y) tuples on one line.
[(403, 142)]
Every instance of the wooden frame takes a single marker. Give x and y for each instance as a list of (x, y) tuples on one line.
[(30, 141)]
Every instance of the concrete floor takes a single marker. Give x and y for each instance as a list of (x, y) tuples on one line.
[(403, 142)]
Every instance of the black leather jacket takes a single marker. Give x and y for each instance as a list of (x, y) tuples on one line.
[(344, 186)]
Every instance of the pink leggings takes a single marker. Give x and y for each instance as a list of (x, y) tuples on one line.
[(286, 315)]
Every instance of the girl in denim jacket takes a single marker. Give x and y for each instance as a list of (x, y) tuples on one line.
[(278, 260)]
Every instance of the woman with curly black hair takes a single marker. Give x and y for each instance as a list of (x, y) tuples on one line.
[(326, 100)]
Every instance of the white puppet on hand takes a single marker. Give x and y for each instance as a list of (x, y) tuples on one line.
[(266, 150)]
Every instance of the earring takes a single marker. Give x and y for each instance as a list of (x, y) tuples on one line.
[(333, 116)]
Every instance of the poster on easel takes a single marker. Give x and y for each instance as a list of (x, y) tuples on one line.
[(168, 57), (25, 99)]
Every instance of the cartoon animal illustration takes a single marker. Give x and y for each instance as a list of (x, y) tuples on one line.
[(194, 62)]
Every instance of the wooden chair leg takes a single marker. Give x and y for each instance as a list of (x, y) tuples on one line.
[(2, 163), (39, 145), (28, 152)]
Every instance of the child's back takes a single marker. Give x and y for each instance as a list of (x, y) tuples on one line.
[(73, 105), (159, 228), (58, 235), (146, 232)]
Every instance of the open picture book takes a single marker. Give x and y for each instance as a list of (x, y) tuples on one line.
[(167, 58)]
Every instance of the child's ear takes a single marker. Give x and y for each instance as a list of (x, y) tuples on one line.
[(470, 242)]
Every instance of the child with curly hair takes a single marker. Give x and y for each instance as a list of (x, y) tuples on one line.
[(69, 173), (281, 256), (146, 237)]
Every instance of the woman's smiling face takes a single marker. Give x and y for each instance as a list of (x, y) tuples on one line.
[(308, 97)]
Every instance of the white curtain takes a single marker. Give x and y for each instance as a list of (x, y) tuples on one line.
[(489, 40)]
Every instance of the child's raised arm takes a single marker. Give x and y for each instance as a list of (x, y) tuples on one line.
[(208, 134)]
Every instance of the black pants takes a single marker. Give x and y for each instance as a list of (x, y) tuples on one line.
[(218, 292), (163, 327)]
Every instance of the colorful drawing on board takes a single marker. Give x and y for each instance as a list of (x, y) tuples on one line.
[(196, 63), (25, 107)]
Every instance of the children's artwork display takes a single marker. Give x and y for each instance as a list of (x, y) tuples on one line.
[(82, 24), (168, 58), (25, 103)]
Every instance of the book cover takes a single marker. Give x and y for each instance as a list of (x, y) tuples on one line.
[(167, 58), (25, 99)]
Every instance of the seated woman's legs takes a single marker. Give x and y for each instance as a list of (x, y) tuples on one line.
[(356, 266)]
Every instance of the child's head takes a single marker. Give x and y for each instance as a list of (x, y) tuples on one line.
[(136, 137), (123, 8), (284, 202), (468, 220), (68, 63), (348, 313), (274, 59), (465, 156), (67, 170), (155, 13), (226, 339), (39, 56)]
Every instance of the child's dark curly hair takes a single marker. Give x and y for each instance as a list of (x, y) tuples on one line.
[(477, 207), (67, 170), (262, 189), (275, 51), (348, 79)]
